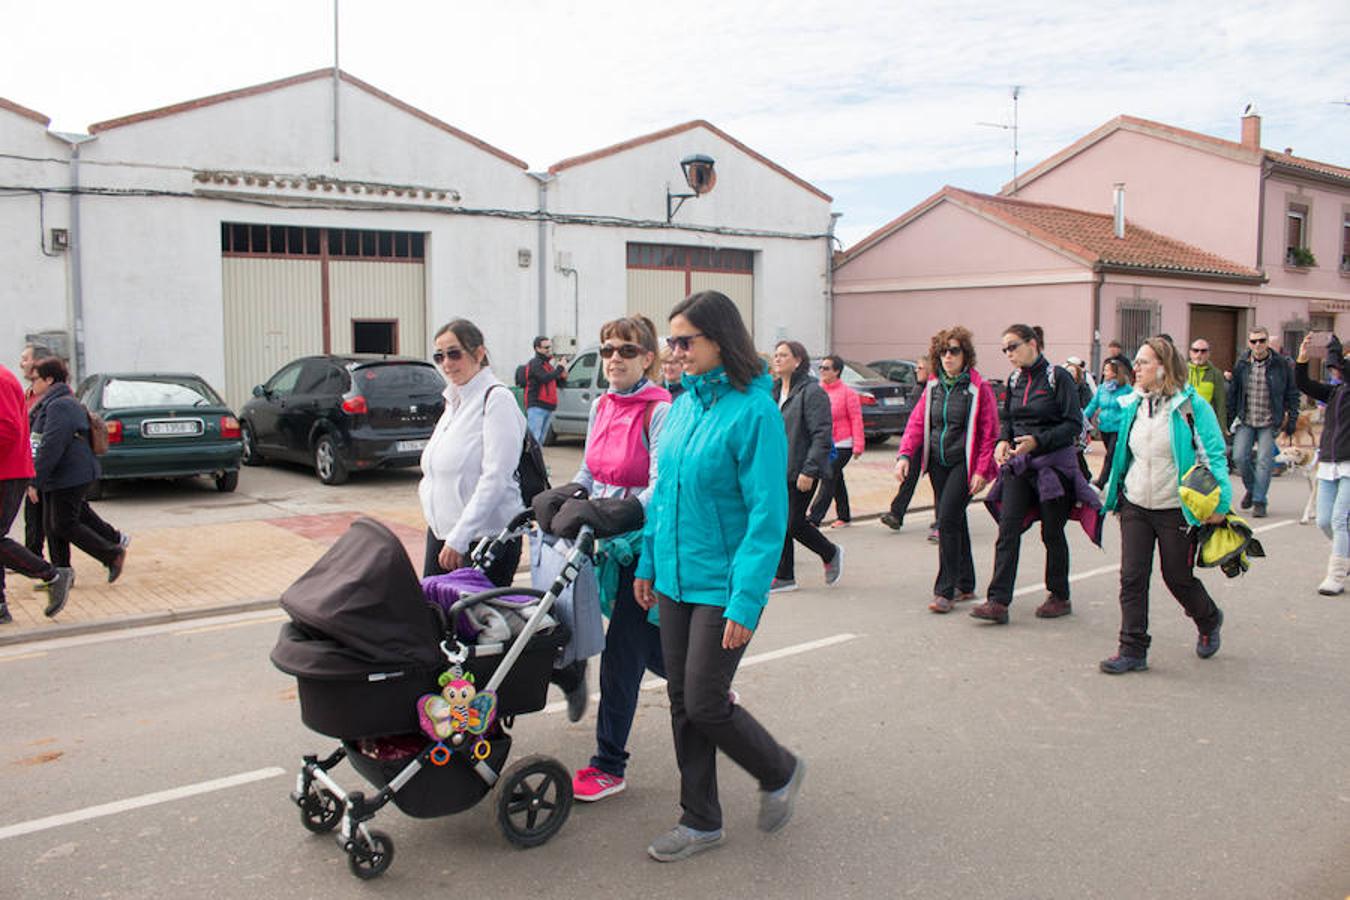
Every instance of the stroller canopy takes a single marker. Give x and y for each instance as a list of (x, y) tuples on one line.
[(359, 610)]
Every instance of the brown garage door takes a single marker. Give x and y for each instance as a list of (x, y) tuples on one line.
[(1219, 326)]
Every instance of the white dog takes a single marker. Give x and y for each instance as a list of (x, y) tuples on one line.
[(1303, 461)]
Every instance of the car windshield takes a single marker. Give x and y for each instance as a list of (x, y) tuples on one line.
[(125, 393), (856, 372), (393, 380)]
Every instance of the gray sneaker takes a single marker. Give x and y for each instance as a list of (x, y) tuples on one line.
[(782, 586), (682, 842), (42, 585), (835, 567), (58, 589), (775, 807)]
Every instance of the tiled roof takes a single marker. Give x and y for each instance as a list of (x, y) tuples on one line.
[(24, 111), (1086, 236), (1205, 142), (679, 129), (317, 74)]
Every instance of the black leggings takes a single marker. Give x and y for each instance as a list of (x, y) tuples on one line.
[(833, 489), (801, 530), (1019, 495), (956, 565)]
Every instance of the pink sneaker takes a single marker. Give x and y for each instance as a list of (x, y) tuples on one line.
[(590, 784)]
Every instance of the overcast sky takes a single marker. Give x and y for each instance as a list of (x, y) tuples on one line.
[(876, 103)]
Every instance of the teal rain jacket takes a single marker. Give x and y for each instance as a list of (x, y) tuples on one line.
[(717, 517)]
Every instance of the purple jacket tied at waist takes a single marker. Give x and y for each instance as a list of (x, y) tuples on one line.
[(1049, 473)]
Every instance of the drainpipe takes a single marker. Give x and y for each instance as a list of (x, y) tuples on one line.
[(76, 252), (829, 281), (1096, 353), (1261, 213), (541, 249)]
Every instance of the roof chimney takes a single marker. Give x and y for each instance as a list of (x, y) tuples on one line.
[(1118, 205), (1251, 127)]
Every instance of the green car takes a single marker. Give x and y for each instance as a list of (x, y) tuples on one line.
[(163, 425)]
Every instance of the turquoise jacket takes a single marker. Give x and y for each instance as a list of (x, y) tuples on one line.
[(1207, 432), (716, 520), (1105, 406)]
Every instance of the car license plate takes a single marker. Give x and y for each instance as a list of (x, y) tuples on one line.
[(171, 428), (892, 401), (410, 446)]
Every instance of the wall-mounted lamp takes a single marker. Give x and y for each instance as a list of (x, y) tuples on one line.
[(699, 175)]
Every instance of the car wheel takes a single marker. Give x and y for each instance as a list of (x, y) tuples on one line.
[(226, 482), (328, 463), (94, 491), (250, 455)]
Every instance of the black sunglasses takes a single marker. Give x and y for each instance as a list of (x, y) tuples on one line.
[(1199, 349), (956, 351), (682, 342), (1254, 341), (625, 351), (455, 354)]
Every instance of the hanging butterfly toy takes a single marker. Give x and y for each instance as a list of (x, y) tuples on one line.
[(458, 714)]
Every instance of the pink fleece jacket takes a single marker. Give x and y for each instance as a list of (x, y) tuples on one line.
[(846, 413), (16, 454), (981, 430)]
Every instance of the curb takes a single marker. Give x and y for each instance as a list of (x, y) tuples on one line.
[(77, 629)]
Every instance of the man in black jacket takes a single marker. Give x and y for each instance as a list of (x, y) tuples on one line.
[(542, 375), (1263, 401)]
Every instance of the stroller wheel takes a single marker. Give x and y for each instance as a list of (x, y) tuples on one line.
[(534, 799), (320, 810), (370, 860)]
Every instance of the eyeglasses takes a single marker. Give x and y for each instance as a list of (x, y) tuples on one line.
[(625, 351), (1255, 341), (957, 351), (682, 342), (1199, 349), (455, 354), (824, 368), (1009, 348)]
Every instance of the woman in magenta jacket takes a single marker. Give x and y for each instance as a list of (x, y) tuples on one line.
[(952, 431), (847, 432)]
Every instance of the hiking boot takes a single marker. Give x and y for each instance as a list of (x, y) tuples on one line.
[(1053, 608), (1208, 644), (775, 807), (835, 567), (591, 784), (1119, 665), (782, 586), (5, 617), (940, 604), (115, 567), (58, 590), (1258, 510), (682, 842), (1246, 500), (891, 521), (990, 611)]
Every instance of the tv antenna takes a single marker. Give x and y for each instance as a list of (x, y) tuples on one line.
[(1016, 93)]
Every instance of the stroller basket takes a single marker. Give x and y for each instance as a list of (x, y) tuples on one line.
[(435, 790)]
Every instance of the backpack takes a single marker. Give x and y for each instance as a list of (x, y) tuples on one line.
[(98, 431), (522, 375), (531, 470)]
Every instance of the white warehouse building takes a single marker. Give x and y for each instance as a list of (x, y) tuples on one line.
[(230, 234)]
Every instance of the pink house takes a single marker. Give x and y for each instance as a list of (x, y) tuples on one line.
[(1217, 236)]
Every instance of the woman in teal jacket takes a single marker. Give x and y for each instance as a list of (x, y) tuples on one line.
[(714, 532), (1164, 427), (1116, 375)]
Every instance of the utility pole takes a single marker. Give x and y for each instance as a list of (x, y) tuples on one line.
[(336, 82), (1016, 94)]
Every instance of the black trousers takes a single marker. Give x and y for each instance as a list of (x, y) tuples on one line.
[(702, 717), (65, 523), (1019, 495), (800, 529), (14, 555), (1140, 530), (900, 505), (500, 573), (1109, 440), (833, 489), (33, 535), (951, 495)]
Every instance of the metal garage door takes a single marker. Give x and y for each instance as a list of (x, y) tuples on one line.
[(290, 292), (659, 276)]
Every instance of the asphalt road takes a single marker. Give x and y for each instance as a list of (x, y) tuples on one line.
[(947, 758)]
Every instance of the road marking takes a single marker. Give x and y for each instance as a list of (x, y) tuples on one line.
[(127, 634), (120, 806), (37, 655), (282, 617), (652, 684)]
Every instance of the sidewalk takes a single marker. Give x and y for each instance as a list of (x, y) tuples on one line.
[(189, 571)]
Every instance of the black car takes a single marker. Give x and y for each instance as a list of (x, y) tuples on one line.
[(885, 403), (344, 413), (163, 425)]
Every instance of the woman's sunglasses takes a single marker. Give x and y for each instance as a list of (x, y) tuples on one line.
[(625, 351), (682, 342), (952, 351), (455, 354)]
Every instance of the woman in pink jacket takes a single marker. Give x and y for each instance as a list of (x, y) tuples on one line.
[(846, 413), (952, 431)]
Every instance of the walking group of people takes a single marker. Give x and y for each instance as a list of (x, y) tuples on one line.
[(711, 448), (47, 465)]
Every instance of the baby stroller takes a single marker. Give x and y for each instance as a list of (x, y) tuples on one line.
[(370, 654)]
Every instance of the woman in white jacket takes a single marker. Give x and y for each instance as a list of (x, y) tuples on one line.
[(469, 488)]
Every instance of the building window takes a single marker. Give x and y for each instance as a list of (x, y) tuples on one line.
[(375, 336), (240, 239), (693, 259), (1138, 321), (1296, 235)]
